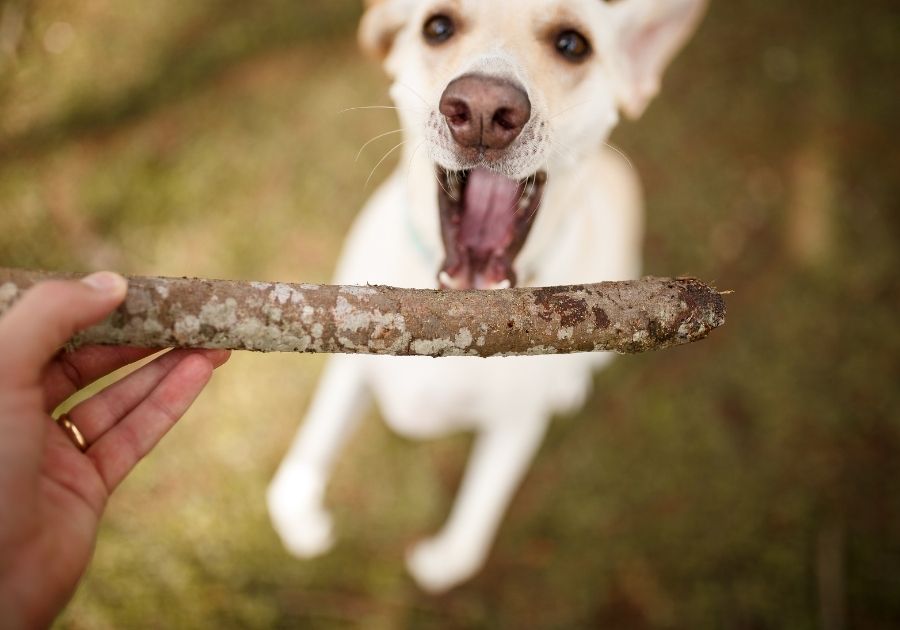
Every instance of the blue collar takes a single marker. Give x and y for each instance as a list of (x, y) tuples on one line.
[(424, 251)]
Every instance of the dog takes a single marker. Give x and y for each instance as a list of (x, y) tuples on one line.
[(505, 179)]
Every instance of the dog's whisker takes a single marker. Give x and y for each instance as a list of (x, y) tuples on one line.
[(621, 153), (380, 107), (378, 137), (534, 212), (414, 92), (557, 143), (457, 185), (412, 159), (563, 150), (566, 157), (517, 205), (353, 109), (380, 162), (438, 179), (571, 107), (537, 206), (557, 147)]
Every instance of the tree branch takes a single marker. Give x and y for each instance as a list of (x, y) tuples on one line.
[(625, 317)]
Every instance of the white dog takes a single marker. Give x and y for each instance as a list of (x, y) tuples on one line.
[(505, 179)]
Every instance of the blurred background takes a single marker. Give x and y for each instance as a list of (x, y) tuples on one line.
[(749, 481)]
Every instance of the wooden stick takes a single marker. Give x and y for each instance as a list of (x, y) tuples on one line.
[(624, 317)]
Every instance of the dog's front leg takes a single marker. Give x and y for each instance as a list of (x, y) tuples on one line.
[(296, 494), (498, 462)]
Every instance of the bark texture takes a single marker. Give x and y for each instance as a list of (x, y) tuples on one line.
[(625, 317)]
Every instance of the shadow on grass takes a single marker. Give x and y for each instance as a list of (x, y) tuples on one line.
[(229, 32)]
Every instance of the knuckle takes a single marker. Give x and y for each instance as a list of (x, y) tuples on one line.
[(163, 409), (70, 370)]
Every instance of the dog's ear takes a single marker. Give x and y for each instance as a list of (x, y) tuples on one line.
[(380, 23), (648, 34)]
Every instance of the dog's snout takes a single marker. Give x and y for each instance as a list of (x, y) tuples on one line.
[(485, 112)]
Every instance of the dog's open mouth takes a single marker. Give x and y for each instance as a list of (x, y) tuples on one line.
[(485, 220)]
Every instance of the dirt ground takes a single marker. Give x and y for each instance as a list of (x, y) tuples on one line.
[(750, 481)]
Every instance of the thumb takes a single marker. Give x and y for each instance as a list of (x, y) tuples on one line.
[(47, 316)]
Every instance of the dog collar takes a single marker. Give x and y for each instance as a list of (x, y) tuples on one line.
[(425, 252)]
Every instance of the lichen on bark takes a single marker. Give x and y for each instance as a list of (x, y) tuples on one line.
[(625, 317)]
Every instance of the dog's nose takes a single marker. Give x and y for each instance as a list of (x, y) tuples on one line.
[(485, 112)]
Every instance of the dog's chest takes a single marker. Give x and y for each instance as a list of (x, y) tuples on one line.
[(421, 397), (595, 238)]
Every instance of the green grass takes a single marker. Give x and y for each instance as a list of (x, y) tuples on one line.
[(750, 481)]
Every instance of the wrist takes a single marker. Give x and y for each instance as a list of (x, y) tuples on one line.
[(25, 606), (15, 615)]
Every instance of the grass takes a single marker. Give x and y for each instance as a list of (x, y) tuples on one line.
[(750, 481)]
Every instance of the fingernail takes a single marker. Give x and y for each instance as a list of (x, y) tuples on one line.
[(218, 357), (106, 282)]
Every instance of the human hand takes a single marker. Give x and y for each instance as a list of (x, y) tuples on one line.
[(52, 494)]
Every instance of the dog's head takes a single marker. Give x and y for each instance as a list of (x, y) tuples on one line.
[(500, 93)]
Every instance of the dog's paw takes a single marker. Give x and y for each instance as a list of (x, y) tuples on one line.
[(437, 566), (295, 507)]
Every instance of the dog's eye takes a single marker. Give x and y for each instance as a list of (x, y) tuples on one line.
[(438, 29), (572, 45)]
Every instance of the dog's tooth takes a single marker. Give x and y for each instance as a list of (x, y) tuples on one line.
[(503, 284), (448, 281), (527, 197)]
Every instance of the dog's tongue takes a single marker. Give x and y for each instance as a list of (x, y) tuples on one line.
[(490, 208), (484, 231)]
